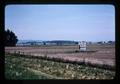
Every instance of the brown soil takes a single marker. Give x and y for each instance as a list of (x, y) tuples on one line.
[(104, 54)]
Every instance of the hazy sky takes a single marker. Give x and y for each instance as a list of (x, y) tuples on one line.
[(61, 22)]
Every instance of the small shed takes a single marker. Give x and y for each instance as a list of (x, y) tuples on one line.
[(82, 46)]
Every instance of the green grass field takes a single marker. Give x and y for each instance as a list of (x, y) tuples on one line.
[(32, 68)]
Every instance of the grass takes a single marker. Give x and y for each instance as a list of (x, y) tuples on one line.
[(17, 67), (15, 70)]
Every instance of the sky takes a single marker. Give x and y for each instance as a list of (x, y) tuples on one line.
[(61, 22)]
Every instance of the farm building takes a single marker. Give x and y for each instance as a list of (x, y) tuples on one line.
[(82, 46)]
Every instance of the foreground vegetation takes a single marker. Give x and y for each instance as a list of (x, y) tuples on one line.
[(32, 68)]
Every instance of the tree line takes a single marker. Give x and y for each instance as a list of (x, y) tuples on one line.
[(10, 38)]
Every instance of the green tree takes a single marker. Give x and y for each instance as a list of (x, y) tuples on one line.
[(10, 38)]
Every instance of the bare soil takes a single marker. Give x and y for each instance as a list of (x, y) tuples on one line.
[(103, 54)]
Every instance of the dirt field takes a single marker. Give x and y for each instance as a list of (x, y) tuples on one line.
[(103, 54)]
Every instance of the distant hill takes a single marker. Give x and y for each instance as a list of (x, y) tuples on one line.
[(40, 42), (25, 41)]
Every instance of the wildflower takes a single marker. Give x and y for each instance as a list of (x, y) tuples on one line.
[(11, 66), (17, 74), (67, 66)]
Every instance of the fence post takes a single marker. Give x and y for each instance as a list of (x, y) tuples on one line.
[(22, 53), (19, 53)]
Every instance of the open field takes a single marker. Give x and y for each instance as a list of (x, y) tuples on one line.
[(102, 55), (60, 62), (17, 67)]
